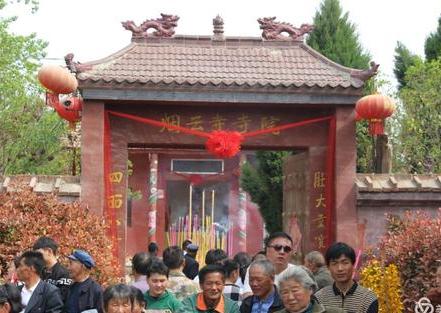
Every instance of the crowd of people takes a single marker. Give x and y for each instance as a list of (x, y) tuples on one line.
[(173, 282)]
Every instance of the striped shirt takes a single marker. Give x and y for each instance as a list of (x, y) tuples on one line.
[(232, 291), (356, 300)]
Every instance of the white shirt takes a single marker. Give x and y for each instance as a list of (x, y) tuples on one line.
[(246, 283), (26, 294)]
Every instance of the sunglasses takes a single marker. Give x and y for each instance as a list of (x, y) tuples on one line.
[(278, 248)]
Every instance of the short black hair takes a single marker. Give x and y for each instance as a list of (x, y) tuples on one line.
[(45, 243), (211, 268), (33, 259), (118, 291), (215, 256), (11, 294), (277, 234), (157, 267), (338, 249), (140, 262), (153, 247), (230, 266), (138, 296), (185, 244), (173, 257)]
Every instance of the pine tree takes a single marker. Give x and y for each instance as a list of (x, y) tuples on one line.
[(403, 60), (432, 46), (336, 37)]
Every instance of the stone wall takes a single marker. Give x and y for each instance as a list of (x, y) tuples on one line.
[(381, 194), (67, 188)]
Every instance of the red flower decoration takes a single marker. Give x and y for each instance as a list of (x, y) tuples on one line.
[(224, 144)]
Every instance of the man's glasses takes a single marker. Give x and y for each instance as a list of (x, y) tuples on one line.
[(278, 248)]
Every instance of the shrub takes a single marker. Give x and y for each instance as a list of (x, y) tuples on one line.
[(415, 248), (384, 281), (25, 216)]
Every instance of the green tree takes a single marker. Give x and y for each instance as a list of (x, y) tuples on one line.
[(419, 150), (30, 132), (336, 37), (264, 183), (403, 59), (432, 46)]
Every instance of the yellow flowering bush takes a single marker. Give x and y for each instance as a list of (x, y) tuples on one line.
[(384, 281)]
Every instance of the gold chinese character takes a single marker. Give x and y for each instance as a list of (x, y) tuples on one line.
[(195, 123), (115, 201), (115, 177), (320, 241), (320, 202), (269, 122), (173, 119), (319, 180), (242, 123), (217, 122), (320, 221)]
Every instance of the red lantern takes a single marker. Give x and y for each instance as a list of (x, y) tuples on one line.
[(375, 108), (57, 79), (70, 109)]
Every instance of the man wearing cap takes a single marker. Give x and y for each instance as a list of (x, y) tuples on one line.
[(84, 294), (191, 268)]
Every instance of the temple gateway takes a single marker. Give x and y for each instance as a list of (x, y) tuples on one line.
[(150, 108)]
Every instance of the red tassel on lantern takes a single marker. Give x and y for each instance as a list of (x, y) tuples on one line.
[(375, 108), (224, 144)]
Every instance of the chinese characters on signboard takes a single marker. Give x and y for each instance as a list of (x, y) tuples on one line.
[(242, 123)]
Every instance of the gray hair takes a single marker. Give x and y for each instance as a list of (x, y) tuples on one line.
[(316, 258), (267, 267), (299, 275)]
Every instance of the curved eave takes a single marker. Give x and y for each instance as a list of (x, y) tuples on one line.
[(348, 70), (120, 83), (198, 93)]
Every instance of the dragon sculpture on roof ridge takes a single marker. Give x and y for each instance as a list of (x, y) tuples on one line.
[(164, 27), (273, 30)]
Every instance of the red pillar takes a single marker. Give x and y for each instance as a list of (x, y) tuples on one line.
[(92, 156), (345, 172)]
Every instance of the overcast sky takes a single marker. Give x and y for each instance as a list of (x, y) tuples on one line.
[(91, 29)]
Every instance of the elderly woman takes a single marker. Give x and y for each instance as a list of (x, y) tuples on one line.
[(296, 288), (10, 299), (118, 299)]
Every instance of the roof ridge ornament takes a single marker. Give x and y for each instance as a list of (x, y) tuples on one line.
[(164, 27), (364, 75), (218, 28), (74, 66), (273, 30)]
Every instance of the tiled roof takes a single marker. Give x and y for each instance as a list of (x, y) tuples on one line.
[(398, 183), (241, 62)]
